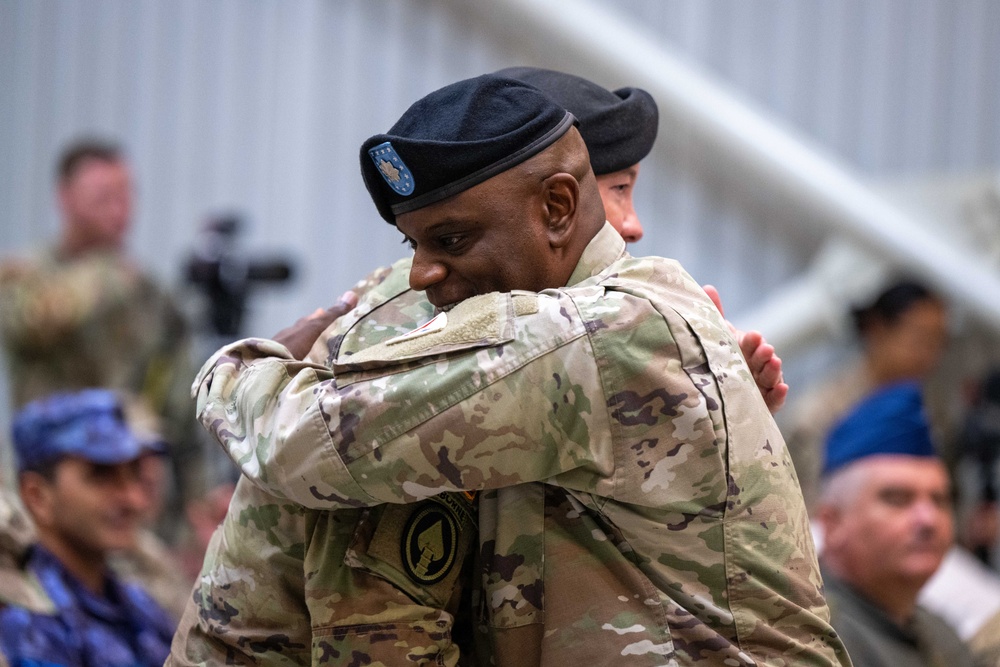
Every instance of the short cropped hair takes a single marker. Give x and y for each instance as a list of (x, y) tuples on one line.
[(85, 149), (45, 469), (841, 487), (890, 305)]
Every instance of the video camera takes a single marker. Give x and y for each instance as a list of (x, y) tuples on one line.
[(227, 277)]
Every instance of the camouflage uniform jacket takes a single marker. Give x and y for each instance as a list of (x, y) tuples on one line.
[(98, 321), (626, 394), (286, 585)]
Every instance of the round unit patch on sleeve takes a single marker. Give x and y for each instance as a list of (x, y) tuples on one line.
[(393, 169), (430, 544)]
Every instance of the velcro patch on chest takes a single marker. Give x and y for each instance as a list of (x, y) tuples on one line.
[(433, 325), (481, 321)]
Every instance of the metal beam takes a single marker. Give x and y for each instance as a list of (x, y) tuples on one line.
[(584, 35)]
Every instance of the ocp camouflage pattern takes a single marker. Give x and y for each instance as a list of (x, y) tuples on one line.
[(615, 415), (285, 585), (98, 321)]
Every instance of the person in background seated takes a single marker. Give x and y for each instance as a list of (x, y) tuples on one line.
[(80, 312), (902, 335), (79, 471), (886, 516)]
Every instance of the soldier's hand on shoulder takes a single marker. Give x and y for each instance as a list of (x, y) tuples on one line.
[(765, 365), (299, 337)]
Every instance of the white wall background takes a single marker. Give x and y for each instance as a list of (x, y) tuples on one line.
[(259, 107)]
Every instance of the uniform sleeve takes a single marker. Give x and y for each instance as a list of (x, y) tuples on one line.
[(496, 393)]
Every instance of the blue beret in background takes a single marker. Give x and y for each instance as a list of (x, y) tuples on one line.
[(890, 420)]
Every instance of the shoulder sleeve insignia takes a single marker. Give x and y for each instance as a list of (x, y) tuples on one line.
[(430, 544), (419, 548)]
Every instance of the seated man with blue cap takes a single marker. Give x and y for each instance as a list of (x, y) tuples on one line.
[(886, 516), (79, 479)]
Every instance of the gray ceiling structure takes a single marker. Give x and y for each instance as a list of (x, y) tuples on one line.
[(259, 108)]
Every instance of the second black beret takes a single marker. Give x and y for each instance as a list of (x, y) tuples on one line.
[(618, 127)]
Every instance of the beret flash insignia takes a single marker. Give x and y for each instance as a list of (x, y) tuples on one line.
[(393, 169)]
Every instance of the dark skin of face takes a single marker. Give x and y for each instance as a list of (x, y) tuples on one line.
[(524, 229)]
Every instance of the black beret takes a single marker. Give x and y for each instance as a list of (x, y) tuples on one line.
[(458, 137), (618, 127)]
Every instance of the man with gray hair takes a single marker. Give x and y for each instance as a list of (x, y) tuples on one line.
[(886, 517)]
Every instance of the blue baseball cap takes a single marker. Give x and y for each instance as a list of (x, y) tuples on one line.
[(89, 424), (890, 420)]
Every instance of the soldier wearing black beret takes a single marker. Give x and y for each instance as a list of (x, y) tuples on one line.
[(424, 161), (596, 399)]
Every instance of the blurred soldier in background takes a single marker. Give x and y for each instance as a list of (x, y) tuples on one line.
[(79, 476), (82, 314)]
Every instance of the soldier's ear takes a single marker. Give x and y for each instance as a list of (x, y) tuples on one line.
[(38, 496), (560, 201)]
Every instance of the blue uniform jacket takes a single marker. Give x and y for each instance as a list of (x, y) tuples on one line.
[(123, 628)]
